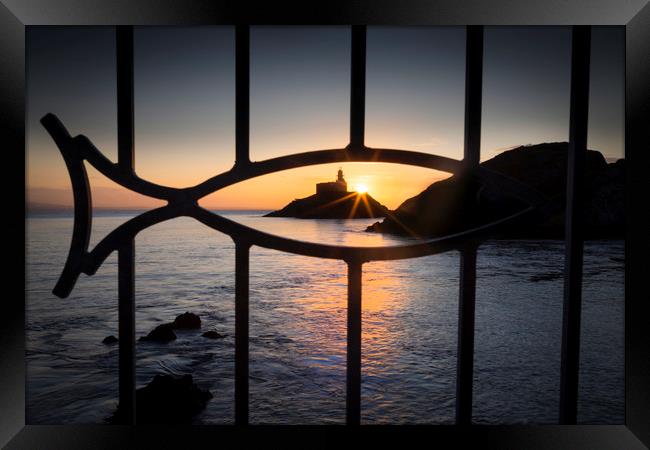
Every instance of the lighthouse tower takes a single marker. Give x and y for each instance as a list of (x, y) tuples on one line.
[(339, 185)]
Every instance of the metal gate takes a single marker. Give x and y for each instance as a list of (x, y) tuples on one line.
[(184, 202)]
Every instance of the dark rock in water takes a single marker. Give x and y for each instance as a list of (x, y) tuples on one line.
[(162, 333), (165, 332), (167, 400), (187, 321), (462, 202), (213, 335), (109, 340), (333, 205)]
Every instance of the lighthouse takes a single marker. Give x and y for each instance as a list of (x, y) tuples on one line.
[(339, 186), (340, 178)]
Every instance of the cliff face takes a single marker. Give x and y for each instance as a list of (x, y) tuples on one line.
[(460, 202), (333, 205)]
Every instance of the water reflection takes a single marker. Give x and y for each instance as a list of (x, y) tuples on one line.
[(305, 301), (298, 308), (347, 232)]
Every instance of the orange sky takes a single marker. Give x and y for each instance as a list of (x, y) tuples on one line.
[(390, 184), (184, 104)]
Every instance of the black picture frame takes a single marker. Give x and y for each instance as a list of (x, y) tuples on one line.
[(15, 15)]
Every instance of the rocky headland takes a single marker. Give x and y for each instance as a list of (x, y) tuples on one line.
[(462, 202)]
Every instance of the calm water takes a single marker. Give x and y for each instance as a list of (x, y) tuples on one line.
[(297, 327)]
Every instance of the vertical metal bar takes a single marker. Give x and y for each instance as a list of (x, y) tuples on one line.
[(241, 331), (465, 357), (126, 318), (126, 252), (242, 95), (125, 125), (467, 282), (574, 233), (357, 142), (353, 373), (358, 87), (473, 94), (242, 159)]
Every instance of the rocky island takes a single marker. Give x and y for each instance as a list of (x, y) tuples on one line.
[(462, 202), (332, 200)]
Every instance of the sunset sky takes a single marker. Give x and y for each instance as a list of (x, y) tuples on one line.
[(184, 103)]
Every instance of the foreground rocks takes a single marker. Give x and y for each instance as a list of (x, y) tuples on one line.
[(162, 333), (167, 399), (109, 340), (213, 335), (165, 332), (187, 321)]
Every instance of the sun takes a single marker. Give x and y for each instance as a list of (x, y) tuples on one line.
[(361, 188)]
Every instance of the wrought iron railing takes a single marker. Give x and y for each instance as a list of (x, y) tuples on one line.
[(184, 202)]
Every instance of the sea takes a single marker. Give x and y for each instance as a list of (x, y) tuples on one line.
[(298, 326)]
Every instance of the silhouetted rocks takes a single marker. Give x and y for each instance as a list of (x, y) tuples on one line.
[(167, 400), (109, 340), (162, 333), (333, 205), (165, 332), (462, 202), (187, 321), (213, 335)]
